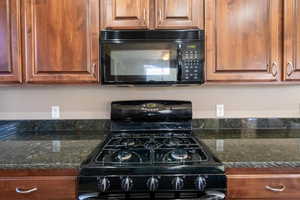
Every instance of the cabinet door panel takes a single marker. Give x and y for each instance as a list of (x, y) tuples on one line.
[(243, 40), (176, 14), (62, 45), (10, 58), (292, 40), (125, 14)]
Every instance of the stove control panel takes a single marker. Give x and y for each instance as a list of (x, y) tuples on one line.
[(155, 183)]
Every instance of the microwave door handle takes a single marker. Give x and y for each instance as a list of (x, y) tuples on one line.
[(179, 61)]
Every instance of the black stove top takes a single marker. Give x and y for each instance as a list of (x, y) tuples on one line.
[(150, 153), (151, 150)]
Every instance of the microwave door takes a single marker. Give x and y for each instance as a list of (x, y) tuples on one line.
[(140, 63)]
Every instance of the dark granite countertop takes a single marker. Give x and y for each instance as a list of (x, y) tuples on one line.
[(47, 149), (67, 149)]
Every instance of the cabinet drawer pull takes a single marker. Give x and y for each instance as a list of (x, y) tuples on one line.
[(26, 191), (281, 188)]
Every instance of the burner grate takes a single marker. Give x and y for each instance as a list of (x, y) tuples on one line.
[(145, 149)]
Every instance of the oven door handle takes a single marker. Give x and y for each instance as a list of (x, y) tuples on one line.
[(87, 196), (179, 62)]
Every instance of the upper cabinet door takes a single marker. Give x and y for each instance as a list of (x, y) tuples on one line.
[(61, 40), (10, 43), (179, 14), (125, 14), (243, 40), (292, 41)]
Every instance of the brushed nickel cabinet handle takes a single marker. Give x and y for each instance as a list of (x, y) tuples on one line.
[(281, 188), (88, 196), (25, 191), (160, 15), (94, 68), (274, 69), (145, 16), (290, 68)]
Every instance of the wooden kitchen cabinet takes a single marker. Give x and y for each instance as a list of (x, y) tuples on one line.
[(152, 14), (42, 188), (10, 41), (125, 14), (61, 41), (263, 183), (291, 40), (179, 14), (243, 40), (38, 184)]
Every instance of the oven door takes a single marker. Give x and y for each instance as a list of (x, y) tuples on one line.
[(139, 62)]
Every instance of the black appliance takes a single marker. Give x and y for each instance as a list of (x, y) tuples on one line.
[(151, 153), (152, 57)]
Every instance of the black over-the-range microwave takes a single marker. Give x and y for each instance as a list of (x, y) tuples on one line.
[(152, 57)]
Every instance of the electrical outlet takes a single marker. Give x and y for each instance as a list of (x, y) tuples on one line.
[(55, 112), (220, 145), (220, 110), (56, 146)]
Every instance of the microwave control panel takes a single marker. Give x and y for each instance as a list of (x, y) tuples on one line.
[(192, 63)]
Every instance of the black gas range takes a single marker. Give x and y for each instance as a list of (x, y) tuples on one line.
[(151, 153)]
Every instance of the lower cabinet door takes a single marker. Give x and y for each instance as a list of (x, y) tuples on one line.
[(38, 188)]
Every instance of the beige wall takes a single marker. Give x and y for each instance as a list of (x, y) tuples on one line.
[(89, 102)]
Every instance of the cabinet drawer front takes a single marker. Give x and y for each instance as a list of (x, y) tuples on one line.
[(264, 186), (38, 188)]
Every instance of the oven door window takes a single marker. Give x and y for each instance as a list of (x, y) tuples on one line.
[(139, 63)]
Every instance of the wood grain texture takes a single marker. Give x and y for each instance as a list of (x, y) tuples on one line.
[(52, 184), (243, 40), (179, 14), (291, 61), (48, 188), (61, 41), (251, 183), (125, 14), (10, 42)]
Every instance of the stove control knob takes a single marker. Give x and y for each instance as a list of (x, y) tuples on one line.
[(127, 184), (178, 183), (103, 184), (152, 184), (200, 183)]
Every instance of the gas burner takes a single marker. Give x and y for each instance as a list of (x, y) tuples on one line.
[(129, 142), (179, 154), (173, 141), (126, 156)]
